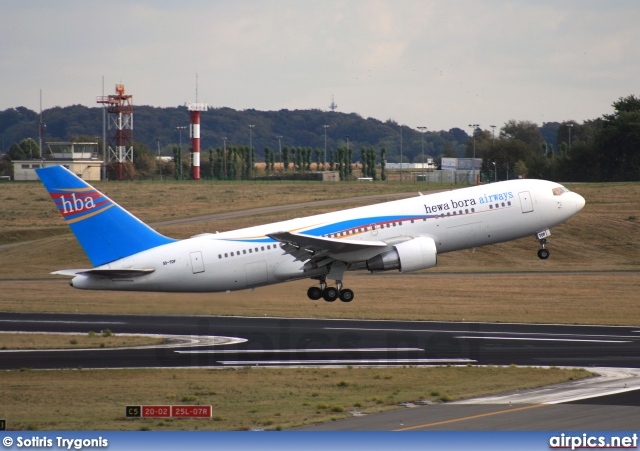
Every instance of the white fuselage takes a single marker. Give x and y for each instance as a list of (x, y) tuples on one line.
[(245, 258)]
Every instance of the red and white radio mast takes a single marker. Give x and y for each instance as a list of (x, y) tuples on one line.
[(194, 132)]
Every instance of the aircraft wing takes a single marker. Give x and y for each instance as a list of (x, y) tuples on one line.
[(304, 247)]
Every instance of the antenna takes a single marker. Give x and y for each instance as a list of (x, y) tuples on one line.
[(333, 105), (40, 130), (194, 132)]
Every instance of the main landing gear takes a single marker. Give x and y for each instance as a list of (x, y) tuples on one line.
[(330, 294)]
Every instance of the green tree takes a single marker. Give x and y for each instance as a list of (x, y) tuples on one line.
[(285, 158), (144, 161), (27, 149), (618, 141), (177, 160)]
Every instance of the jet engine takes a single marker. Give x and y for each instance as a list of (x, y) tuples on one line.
[(417, 253)]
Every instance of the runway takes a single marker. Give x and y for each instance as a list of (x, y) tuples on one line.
[(321, 342), (611, 401)]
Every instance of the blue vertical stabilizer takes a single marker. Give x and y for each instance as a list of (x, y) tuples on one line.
[(106, 231)]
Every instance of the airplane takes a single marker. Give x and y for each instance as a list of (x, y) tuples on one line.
[(403, 235)]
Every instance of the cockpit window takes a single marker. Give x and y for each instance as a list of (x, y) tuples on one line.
[(559, 191)]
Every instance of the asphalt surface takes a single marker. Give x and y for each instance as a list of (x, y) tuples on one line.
[(608, 402), (300, 342)]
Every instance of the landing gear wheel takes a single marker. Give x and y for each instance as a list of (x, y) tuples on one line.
[(543, 254), (330, 294), (314, 293), (346, 295)]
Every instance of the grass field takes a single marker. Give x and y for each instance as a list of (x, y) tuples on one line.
[(89, 340), (592, 277), (243, 398)]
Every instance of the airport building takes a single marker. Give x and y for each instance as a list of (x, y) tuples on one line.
[(79, 158)]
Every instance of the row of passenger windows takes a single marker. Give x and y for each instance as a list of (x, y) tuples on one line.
[(491, 207), (398, 223), (250, 251), (361, 229), (365, 229)]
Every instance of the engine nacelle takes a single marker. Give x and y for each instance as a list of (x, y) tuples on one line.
[(418, 253)]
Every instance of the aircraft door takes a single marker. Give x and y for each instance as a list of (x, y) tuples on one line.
[(197, 263), (525, 202)]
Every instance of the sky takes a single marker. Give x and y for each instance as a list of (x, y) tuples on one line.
[(437, 64)]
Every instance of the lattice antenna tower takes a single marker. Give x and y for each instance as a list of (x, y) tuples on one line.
[(333, 105), (120, 139)]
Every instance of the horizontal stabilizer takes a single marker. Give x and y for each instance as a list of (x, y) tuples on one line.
[(108, 273)]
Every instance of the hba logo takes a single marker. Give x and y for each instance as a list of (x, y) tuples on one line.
[(76, 204)]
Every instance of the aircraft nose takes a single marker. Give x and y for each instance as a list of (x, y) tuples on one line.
[(579, 202)]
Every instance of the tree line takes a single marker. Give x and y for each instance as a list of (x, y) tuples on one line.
[(598, 150), (606, 149)]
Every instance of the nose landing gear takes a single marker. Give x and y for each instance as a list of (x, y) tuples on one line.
[(543, 253)]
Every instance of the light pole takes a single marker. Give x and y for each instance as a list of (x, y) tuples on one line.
[(570, 127), (250, 148), (422, 130), (280, 150), (401, 154), (345, 158), (493, 134), (495, 172), (180, 128), (473, 132), (159, 159), (325, 146), (224, 157)]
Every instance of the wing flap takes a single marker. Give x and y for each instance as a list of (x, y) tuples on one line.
[(313, 245)]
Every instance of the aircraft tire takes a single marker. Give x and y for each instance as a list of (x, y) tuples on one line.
[(543, 254), (346, 295), (330, 294), (314, 293)]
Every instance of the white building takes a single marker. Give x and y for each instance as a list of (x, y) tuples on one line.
[(79, 158)]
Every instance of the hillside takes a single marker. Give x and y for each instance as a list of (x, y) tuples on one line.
[(304, 128)]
